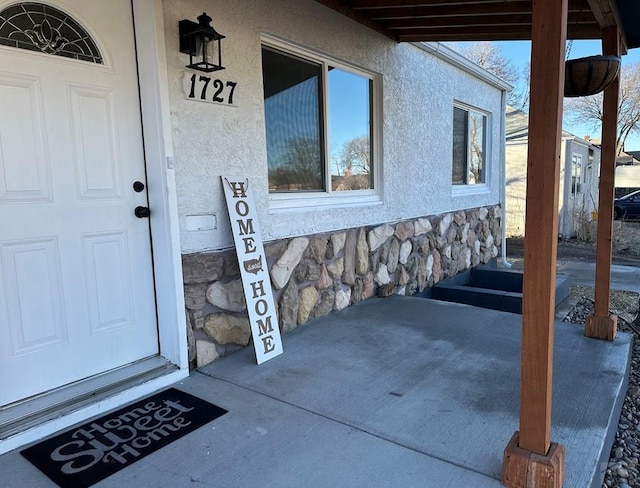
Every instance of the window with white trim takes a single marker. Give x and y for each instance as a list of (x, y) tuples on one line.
[(469, 147), (576, 174), (320, 129)]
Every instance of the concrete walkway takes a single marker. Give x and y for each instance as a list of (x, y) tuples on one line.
[(623, 277), (395, 392)]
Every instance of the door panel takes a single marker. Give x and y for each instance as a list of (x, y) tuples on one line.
[(92, 118), (33, 284), (24, 165), (76, 284)]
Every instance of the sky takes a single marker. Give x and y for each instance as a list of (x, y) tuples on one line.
[(520, 53)]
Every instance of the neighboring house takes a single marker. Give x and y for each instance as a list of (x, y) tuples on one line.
[(376, 168), (579, 170), (627, 177), (626, 159)]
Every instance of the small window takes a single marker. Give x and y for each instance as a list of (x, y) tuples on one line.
[(318, 121), (469, 147), (576, 174)]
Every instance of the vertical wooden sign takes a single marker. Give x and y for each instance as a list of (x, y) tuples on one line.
[(253, 268)]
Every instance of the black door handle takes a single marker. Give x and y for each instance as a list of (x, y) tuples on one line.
[(142, 212)]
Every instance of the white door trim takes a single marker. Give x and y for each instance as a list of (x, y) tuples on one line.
[(149, 29), (165, 233)]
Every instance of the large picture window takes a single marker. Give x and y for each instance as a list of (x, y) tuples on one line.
[(469, 147), (319, 129)]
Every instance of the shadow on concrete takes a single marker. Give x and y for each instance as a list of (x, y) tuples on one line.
[(391, 392)]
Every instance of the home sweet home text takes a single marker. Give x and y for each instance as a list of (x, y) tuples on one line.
[(255, 276)]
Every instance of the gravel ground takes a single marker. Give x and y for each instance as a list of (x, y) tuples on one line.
[(622, 470)]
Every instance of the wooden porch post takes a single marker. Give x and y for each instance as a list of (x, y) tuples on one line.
[(601, 325), (530, 459)]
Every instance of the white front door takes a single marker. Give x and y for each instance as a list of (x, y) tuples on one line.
[(76, 283)]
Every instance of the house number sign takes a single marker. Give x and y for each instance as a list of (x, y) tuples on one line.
[(253, 268), (201, 88)]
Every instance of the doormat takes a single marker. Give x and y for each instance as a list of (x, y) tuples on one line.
[(89, 453)]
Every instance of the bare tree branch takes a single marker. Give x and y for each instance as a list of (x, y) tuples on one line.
[(588, 110), (490, 57)]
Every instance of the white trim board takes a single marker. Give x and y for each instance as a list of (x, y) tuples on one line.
[(149, 28)]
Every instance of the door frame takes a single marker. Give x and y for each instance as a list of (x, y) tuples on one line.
[(165, 235)]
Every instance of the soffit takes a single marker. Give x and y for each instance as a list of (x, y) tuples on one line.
[(484, 20)]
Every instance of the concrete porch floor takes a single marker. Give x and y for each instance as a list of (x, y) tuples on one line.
[(395, 392)]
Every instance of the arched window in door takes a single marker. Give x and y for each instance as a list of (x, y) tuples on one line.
[(40, 27)]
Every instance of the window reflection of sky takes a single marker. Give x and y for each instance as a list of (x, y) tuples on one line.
[(348, 109)]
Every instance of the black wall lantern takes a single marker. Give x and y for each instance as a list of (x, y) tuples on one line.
[(202, 43)]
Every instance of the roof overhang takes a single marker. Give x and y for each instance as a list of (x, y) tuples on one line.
[(486, 20), (629, 11)]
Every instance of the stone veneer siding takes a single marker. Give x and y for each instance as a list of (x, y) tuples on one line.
[(314, 275)]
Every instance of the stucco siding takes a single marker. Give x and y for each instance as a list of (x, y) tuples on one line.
[(418, 92), (516, 188)]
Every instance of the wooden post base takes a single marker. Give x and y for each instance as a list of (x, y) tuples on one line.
[(601, 327), (526, 469)]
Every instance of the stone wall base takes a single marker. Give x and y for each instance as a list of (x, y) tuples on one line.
[(312, 276)]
